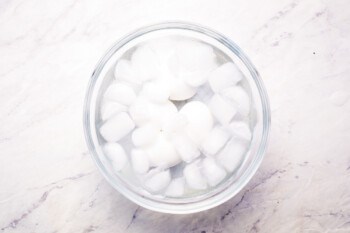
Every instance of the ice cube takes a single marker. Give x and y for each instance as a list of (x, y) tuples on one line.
[(173, 68), (163, 49), (145, 135), (240, 97), (192, 62), (224, 76), (116, 154), (145, 63), (176, 188), (214, 141), (175, 123), (232, 155), (187, 150), (241, 130), (158, 181), (194, 55), (200, 120), (139, 160), (117, 127), (204, 94), (195, 78), (179, 90), (120, 93), (156, 91), (193, 176), (212, 171), (163, 112), (109, 109), (141, 111), (124, 71), (162, 153), (222, 109)]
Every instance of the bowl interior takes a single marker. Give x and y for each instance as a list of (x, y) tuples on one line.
[(259, 120)]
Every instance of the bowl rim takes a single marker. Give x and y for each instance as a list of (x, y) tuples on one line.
[(226, 194)]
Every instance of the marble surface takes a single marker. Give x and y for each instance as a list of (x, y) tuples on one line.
[(48, 50)]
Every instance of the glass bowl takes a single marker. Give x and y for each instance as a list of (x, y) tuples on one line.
[(257, 148)]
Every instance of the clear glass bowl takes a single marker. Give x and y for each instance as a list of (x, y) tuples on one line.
[(253, 158)]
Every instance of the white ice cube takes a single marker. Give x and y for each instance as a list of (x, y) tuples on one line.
[(179, 90), (240, 129), (145, 135), (176, 188), (175, 123), (157, 91), (187, 149), (194, 55), (192, 62), (200, 120), (224, 76), (232, 155), (212, 171), (222, 109), (124, 71), (116, 154), (195, 78), (193, 176), (162, 153), (214, 141), (141, 111), (139, 161), (163, 112), (145, 64), (120, 93), (117, 127), (110, 108), (163, 49), (240, 97), (204, 94), (158, 181)]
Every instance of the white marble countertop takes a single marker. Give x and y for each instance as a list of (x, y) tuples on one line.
[(48, 49)]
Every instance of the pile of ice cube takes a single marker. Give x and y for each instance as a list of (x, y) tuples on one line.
[(180, 144)]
